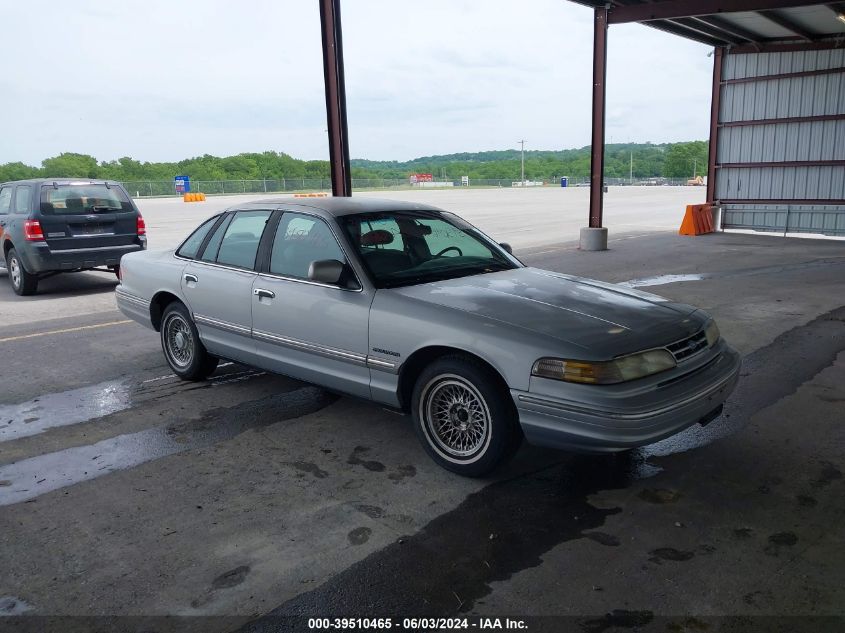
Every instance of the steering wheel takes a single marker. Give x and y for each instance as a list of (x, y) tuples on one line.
[(450, 248)]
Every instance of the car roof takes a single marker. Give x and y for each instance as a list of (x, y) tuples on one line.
[(61, 181), (343, 206)]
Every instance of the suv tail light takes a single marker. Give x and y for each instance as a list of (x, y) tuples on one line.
[(142, 227), (32, 231)]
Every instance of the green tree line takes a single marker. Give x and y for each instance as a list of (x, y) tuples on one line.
[(670, 160)]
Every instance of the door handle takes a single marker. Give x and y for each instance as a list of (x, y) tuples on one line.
[(260, 292), (189, 277)]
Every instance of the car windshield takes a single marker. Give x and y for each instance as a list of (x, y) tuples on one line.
[(402, 248), (82, 199)]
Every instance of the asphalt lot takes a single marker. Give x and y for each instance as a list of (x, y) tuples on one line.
[(254, 500)]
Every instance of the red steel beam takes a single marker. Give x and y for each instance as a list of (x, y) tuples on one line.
[(671, 9), (599, 96), (715, 101), (802, 73), (335, 87), (791, 119)]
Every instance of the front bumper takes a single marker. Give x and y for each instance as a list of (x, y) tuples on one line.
[(41, 259), (582, 426)]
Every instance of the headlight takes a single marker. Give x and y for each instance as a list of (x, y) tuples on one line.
[(712, 333), (605, 373)]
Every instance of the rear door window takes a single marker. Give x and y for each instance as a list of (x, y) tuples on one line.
[(83, 199), (190, 246), (5, 200), (240, 242), (22, 199)]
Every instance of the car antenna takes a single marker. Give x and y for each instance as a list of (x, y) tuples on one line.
[(55, 185), (108, 186)]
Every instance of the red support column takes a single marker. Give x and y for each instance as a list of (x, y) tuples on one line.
[(715, 100), (335, 97), (599, 94)]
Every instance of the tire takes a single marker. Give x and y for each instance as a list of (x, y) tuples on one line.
[(482, 426), (182, 346), (23, 282)]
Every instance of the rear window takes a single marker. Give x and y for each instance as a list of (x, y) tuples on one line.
[(83, 199)]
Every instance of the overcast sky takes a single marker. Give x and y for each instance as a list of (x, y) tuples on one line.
[(164, 80)]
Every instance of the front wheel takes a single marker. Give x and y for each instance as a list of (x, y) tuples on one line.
[(23, 282), (182, 347), (464, 417)]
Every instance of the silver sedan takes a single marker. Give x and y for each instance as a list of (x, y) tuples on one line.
[(412, 307)]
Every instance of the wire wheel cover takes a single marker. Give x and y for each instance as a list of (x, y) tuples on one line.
[(456, 415), (179, 341)]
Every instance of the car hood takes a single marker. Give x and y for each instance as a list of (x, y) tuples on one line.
[(604, 319)]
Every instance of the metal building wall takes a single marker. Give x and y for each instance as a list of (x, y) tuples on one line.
[(781, 141)]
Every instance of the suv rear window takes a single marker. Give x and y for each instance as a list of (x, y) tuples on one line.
[(82, 199)]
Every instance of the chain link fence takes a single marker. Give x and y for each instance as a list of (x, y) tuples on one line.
[(158, 188)]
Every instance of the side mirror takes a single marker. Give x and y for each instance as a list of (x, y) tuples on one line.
[(326, 271), (507, 247)]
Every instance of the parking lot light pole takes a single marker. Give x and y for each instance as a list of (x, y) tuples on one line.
[(522, 171)]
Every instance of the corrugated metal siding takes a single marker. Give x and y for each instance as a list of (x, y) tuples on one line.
[(798, 218), (777, 142), (756, 64), (780, 98), (812, 140), (781, 183)]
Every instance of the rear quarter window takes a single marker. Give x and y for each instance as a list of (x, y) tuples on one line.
[(83, 199), (22, 199), (5, 200)]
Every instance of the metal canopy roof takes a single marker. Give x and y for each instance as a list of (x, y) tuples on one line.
[(735, 23)]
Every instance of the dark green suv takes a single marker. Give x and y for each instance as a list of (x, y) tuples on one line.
[(49, 226)]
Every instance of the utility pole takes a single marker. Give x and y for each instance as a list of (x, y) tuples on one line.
[(694, 166), (522, 143), (631, 175)]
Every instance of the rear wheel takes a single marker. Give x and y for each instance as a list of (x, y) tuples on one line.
[(464, 417), (182, 347), (23, 282)]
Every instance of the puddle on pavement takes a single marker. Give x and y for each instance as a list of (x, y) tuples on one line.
[(660, 280), (30, 478), (88, 403), (60, 409), (9, 605)]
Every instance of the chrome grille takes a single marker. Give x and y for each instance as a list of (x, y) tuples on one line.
[(688, 347)]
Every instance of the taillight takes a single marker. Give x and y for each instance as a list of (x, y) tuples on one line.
[(142, 227), (32, 231)]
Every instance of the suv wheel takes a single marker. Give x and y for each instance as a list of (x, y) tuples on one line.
[(23, 282), (464, 417), (182, 347)]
